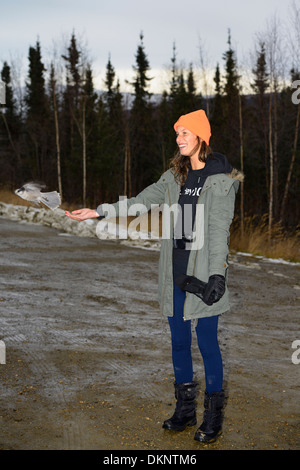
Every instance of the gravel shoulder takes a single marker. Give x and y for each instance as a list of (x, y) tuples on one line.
[(88, 356)]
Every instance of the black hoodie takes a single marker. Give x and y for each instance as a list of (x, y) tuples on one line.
[(188, 198)]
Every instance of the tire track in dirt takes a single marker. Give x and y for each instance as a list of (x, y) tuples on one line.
[(89, 358)]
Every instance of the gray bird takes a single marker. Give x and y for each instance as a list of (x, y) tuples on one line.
[(32, 192)]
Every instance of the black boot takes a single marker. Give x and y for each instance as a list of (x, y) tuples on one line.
[(211, 427), (185, 411)]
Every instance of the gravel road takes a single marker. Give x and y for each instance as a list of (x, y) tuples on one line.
[(88, 356)]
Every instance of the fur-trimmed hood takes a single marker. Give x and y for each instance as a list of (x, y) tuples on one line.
[(236, 175)]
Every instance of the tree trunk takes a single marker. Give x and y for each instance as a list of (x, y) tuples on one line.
[(58, 162), (242, 163), (288, 179), (275, 159), (126, 159), (271, 170), (129, 170), (83, 156), (127, 162), (163, 152)]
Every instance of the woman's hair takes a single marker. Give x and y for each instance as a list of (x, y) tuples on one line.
[(180, 163)]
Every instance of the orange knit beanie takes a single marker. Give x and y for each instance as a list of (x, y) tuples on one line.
[(197, 123)]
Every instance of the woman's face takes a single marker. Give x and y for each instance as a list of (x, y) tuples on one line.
[(186, 141)]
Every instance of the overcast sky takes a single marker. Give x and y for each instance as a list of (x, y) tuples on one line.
[(113, 27)]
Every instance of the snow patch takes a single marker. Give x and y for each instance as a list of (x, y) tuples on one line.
[(270, 260), (104, 230)]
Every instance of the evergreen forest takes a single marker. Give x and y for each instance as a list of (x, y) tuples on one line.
[(95, 145)]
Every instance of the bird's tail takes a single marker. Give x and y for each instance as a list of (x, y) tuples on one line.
[(51, 200)]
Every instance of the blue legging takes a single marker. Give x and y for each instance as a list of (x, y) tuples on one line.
[(207, 337)]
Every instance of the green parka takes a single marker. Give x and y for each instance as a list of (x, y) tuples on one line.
[(216, 203)]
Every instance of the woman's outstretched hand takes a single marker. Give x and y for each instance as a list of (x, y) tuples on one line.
[(82, 214)]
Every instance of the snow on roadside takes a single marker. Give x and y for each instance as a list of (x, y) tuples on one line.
[(270, 260), (108, 230), (92, 228)]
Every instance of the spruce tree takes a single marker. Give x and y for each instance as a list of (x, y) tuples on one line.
[(230, 132), (109, 84), (261, 76), (37, 115), (174, 75), (217, 115), (112, 96), (71, 116), (258, 133), (194, 100), (73, 67), (10, 133), (142, 80), (87, 129), (180, 103), (231, 87), (141, 125), (114, 159)]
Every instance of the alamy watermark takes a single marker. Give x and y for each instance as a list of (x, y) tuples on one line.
[(2, 352), (2, 92), (168, 216), (296, 94), (296, 354)]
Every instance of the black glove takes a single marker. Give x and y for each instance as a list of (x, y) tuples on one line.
[(191, 284), (214, 289)]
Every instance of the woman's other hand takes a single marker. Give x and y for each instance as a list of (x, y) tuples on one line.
[(214, 289), (82, 214)]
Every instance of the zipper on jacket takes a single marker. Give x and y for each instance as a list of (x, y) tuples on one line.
[(204, 189)]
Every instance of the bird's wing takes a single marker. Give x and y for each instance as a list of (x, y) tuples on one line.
[(51, 200), (32, 186)]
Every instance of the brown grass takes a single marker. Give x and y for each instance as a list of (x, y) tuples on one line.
[(8, 197), (255, 238)]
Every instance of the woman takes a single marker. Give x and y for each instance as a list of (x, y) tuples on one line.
[(193, 265)]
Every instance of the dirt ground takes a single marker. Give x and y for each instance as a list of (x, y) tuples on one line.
[(88, 356)]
